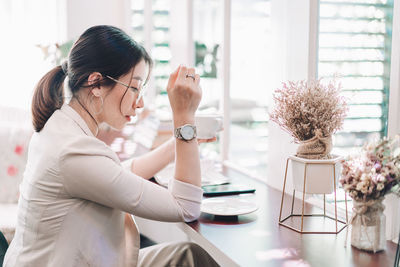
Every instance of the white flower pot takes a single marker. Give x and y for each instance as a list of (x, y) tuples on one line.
[(319, 174)]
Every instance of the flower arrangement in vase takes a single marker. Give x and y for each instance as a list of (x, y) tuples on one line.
[(368, 177), (311, 112)]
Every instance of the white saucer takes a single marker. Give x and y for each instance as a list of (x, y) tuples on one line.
[(227, 206), (210, 176)]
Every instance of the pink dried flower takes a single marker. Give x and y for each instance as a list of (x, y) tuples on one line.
[(373, 173), (304, 107)]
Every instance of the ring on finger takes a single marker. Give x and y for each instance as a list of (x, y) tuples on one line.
[(191, 76)]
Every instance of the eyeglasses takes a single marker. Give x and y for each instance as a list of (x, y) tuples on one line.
[(138, 91)]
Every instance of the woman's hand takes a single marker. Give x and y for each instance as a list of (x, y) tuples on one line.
[(200, 141), (184, 94)]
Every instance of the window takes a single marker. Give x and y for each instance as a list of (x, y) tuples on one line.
[(250, 85), (151, 28), (249, 90), (355, 45), (208, 37), (355, 40), (249, 63)]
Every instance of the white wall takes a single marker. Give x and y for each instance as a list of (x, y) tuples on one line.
[(391, 202), (394, 100), (290, 26), (84, 14), (45, 22), (25, 25), (181, 42)]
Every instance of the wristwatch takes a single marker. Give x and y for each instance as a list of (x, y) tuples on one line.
[(186, 132)]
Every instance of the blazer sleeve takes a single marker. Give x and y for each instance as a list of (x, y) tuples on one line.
[(92, 171)]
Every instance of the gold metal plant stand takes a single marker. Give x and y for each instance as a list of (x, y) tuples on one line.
[(282, 221)]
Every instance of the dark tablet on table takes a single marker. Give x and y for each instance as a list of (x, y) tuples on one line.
[(226, 189)]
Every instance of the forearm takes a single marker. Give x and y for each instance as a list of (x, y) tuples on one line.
[(149, 164), (187, 160)]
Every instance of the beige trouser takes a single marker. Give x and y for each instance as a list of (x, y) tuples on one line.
[(177, 254)]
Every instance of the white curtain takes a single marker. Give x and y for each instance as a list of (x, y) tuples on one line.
[(26, 25)]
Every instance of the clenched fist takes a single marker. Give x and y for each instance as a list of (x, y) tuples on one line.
[(184, 94)]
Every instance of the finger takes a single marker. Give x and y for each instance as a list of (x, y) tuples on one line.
[(182, 73), (173, 77), (197, 79), (211, 140), (191, 71), (191, 75), (200, 141), (200, 90)]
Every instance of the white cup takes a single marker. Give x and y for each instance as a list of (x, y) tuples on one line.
[(208, 125)]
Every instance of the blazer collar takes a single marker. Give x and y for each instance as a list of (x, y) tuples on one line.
[(70, 112)]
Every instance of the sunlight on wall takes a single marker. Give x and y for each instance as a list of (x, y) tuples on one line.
[(26, 25)]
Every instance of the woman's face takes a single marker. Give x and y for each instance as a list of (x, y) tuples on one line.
[(120, 103)]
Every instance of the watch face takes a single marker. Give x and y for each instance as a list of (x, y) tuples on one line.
[(187, 132)]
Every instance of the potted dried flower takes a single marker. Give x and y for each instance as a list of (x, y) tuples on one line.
[(311, 112), (368, 177)]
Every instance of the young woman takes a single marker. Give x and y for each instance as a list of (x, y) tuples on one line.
[(75, 191)]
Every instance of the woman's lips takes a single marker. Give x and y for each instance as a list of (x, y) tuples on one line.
[(128, 118)]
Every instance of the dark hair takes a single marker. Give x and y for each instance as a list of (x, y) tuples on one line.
[(104, 49)]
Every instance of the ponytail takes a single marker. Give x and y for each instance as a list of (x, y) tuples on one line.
[(47, 97)]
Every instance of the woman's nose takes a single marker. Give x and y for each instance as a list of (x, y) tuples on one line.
[(140, 103)]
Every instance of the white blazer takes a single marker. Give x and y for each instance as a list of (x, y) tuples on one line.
[(73, 197)]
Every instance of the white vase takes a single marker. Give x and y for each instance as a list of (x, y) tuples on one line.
[(368, 226), (318, 173)]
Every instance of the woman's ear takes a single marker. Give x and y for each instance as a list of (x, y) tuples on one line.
[(94, 79)]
